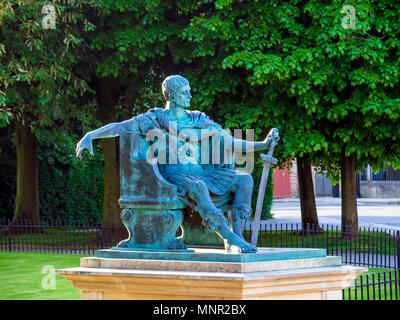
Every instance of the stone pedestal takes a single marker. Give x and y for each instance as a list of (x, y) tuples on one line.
[(268, 274)]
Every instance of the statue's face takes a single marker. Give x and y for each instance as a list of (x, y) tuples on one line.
[(182, 97)]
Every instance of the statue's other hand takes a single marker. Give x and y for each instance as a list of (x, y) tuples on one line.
[(272, 135), (85, 143)]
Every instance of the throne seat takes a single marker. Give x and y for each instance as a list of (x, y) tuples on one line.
[(151, 210)]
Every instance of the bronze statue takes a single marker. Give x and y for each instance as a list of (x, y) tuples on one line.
[(198, 184)]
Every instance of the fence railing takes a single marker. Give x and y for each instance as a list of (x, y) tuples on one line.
[(378, 248), (376, 286), (369, 247), (69, 237)]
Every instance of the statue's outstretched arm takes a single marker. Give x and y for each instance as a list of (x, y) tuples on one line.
[(238, 144), (247, 145), (108, 131)]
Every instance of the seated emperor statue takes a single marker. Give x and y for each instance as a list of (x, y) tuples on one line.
[(197, 183)]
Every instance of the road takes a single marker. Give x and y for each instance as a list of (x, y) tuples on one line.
[(372, 213)]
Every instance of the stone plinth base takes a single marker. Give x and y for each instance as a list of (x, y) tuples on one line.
[(318, 278)]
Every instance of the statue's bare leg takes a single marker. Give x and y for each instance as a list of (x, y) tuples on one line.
[(214, 219), (241, 206)]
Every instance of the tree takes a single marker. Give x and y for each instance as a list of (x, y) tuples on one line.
[(51, 76), (306, 190), (332, 91), (133, 45), (125, 40), (37, 84)]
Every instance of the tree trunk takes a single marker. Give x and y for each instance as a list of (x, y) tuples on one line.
[(306, 190), (111, 209), (27, 197), (349, 196), (113, 229)]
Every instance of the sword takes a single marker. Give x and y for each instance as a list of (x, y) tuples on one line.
[(268, 159)]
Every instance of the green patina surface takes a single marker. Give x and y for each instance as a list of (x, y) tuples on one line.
[(216, 255)]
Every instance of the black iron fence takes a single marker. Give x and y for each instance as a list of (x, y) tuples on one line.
[(69, 237), (370, 247), (376, 286)]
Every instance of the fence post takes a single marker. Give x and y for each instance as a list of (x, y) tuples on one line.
[(308, 235), (398, 250), (101, 236), (9, 235)]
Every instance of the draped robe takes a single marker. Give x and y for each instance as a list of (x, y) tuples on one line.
[(218, 177)]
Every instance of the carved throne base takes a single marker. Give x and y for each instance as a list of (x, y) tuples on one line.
[(152, 229)]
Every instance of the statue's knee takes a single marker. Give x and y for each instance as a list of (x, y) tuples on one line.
[(241, 211), (245, 180)]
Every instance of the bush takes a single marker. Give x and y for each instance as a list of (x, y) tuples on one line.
[(69, 189), (8, 183), (8, 170)]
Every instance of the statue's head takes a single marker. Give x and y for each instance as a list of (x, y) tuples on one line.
[(177, 91)]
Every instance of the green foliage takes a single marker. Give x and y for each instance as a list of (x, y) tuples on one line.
[(37, 80), (69, 189), (38, 85), (5, 116), (76, 191), (252, 64), (7, 198), (328, 89), (7, 173)]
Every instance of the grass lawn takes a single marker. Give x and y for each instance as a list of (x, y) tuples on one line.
[(372, 242), (21, 276)]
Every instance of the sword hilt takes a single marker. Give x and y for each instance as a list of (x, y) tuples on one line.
[(268, 157)]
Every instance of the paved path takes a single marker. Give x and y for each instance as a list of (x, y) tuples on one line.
[(373, 213)]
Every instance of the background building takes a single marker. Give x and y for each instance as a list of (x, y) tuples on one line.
[(383, 184)]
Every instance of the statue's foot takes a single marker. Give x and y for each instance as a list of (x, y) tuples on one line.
[(233, 239), (238, 233), (246, 247), (237, 228)]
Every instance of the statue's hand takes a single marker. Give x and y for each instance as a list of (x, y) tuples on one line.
[(272, 135), (85, 143)]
